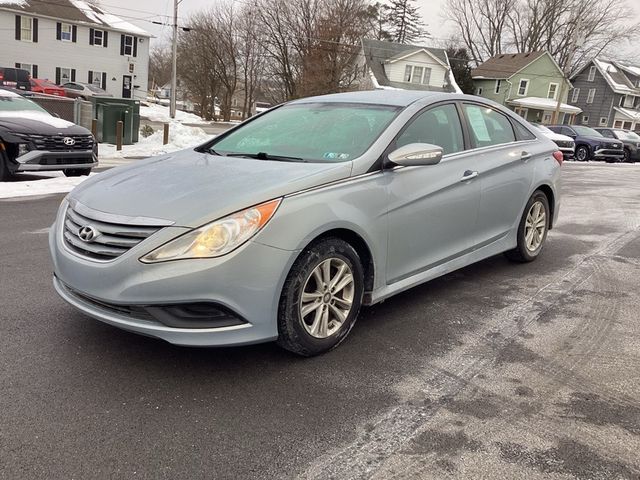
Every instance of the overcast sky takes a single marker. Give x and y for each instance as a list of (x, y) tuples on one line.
[(158, 10)]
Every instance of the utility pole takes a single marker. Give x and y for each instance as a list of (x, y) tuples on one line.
[(575, 41), (174, 66)]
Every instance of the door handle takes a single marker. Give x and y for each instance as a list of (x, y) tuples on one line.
[(524, 156), (468, 175)]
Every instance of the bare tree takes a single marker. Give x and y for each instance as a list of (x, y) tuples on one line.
[(251, 56), (159, 66)]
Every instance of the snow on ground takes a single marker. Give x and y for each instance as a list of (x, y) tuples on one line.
[(54, 182), (180, 137), (160, 113)]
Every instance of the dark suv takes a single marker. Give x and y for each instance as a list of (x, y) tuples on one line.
[(33, 140), (15, 78), (591, 145), (630, 140)]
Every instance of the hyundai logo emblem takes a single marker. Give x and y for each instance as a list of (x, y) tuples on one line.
[(68, 141), (87, 234)]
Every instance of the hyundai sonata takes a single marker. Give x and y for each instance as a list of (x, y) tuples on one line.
[(282, 227)]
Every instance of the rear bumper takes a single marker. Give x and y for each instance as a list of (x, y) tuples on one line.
[(44, 160)]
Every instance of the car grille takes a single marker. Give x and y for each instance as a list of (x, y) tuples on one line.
[(56, 143), (615, 146), (109, 240)]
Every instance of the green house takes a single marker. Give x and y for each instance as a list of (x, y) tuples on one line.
[(528, 83)]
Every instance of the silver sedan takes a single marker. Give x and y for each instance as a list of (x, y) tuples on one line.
[(283, 227)]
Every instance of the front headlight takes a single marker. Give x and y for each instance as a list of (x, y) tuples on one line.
[(216, 238), (23, 149)]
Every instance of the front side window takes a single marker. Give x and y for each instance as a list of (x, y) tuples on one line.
[(437, 126), (523, 87), (26, 29), (314, 132), (488, 127), (128, 45), (553, 91)]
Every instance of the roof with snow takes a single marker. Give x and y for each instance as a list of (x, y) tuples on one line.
[(539, 103), (377, 53), (622, 78), (76, 11), (505, 65)]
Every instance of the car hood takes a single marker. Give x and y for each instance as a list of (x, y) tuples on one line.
[(38, 123), (191, 188), (557, 136)]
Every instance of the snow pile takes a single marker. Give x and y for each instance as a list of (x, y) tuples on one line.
[(180, 137), (55, 183), (159, 113)]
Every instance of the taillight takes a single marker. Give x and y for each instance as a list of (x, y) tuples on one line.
[(1, 76), (558, 156)]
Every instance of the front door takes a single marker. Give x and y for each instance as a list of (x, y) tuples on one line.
[(432, 209), (126, 86)]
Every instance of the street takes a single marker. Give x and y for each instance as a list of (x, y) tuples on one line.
[(499, 370)]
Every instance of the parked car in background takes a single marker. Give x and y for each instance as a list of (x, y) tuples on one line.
[(591, 145), (83, 90), (32, 140), (286, 224), (566, 144), (15, 78), (39, 85), (630, 140)]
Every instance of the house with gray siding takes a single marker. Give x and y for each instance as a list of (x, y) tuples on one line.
[(74, 40), (389, 65), (608, 93)]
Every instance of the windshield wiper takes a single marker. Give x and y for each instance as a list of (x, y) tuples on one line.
[(266, 156)]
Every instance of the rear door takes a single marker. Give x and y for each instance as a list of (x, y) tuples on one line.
[(432, 209), (506, 161)]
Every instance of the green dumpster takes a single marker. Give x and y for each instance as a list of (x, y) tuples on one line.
[(108, 111)]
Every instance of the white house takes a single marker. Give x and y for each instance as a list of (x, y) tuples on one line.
[(72, 40), (388, 65)]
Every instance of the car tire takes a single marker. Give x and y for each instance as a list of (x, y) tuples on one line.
[(582, 153), (535, 222), (330, 314), (76, 172), (627, 156)]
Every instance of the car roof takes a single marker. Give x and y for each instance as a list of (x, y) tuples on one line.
[(7, 93), (399, 98)]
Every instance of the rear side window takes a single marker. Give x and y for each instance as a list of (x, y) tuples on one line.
[(438, 126), (488, 127), (522, 133)]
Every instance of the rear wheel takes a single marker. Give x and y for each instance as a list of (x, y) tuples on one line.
[(532, 230), (321, 298), (582, 153), (76, 172)]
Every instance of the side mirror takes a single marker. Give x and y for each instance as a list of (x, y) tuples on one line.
[(416, 154)]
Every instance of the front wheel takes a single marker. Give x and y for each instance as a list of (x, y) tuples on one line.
[(582, 153), (627, 155), (321, 298), (76, 172), (532, 230)]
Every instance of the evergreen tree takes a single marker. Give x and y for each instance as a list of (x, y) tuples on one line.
[(404, 20), (460, 60)]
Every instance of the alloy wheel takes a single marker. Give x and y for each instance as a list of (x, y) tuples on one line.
[(535, 226), (327, 298), (581, 154)]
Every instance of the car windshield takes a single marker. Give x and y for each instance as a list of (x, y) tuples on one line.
[(590, 132), (316, 132), (622, 135), (19, 104)]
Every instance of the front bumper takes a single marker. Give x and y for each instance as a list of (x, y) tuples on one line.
[(246, 282), (608, 153), (44, 160), (567, 153)]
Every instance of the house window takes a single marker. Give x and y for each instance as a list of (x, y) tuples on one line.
[(498, 85), (26, 66), (414, 74), (523, 88), (98, 38), (592, 74), (585, 119), (553, 91), (65, 75), (66, 32), (628, 101), (603, 121), (591, 95), (617, 124), (575, 95), (26, 29), (546, 119), (96, 77), (128, 45), (479, 91)]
